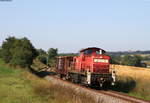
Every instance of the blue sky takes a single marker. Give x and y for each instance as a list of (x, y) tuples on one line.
[(69, 25)]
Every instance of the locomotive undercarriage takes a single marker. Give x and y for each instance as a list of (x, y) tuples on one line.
[(101, 80), (89, 79)]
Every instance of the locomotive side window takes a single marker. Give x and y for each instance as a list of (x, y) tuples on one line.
[(99, 52), (88, 52)]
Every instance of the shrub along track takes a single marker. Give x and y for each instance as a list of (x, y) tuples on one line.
[(100, 96)]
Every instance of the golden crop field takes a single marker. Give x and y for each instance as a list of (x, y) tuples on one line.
[(133, 80), (137, 73)]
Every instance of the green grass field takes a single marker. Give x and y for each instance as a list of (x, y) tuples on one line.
[(20, 86), (13, 87)]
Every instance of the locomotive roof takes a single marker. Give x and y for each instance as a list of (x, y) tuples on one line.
[(92, 48)]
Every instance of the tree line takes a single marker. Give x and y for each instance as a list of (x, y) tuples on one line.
[(21, 52), (129, 60), (119, 53)]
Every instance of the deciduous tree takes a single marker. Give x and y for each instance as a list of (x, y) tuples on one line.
[(18, 51)]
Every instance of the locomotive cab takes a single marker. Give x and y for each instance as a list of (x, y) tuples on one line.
[(95, 63), (93, 60)]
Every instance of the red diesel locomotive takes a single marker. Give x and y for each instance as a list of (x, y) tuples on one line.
[(91, 67)]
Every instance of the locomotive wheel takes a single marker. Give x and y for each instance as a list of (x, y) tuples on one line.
[(67, 77), (106, 85), (59, 75), (74, 77)]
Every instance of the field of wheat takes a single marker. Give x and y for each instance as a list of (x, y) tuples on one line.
[(137, 73), (133, 80)]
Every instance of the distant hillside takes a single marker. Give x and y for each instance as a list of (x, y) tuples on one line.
[(128, 52)]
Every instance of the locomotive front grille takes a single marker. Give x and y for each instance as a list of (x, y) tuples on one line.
[(101, 68)]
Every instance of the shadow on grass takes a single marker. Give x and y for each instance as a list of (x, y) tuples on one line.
[(42, 73), (125, 85)]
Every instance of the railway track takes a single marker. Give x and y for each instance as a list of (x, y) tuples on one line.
[(100, 96), (124, 97)]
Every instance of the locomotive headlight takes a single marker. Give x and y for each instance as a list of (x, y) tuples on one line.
[(103, 60), (95, 60), (100, 60)]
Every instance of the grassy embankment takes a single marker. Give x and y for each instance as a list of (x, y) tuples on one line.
[(20, 86), (134, 81)]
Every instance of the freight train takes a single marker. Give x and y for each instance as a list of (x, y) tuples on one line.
[(91, 67)]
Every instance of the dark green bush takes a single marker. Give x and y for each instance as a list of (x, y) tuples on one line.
[(18, 52), (132, 60)]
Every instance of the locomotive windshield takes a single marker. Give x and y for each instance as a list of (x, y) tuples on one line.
[(88, 51)]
